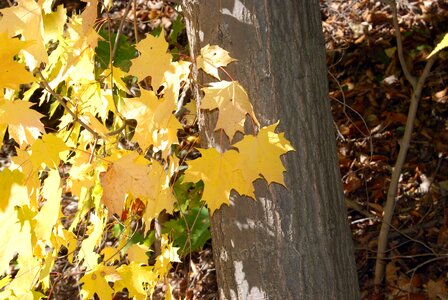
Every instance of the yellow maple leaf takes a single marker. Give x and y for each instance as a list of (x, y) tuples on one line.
[(73, 59), (261, 155), (132, 175), (46, 5), (110, 254), (86, 136), (23, 123), (213, 57), (54, 23), (156, 124), (96, 281), (14, 235), (441, 45), (49, 213), (12, 73), (219, 173), (22, 242), (233, 104), (95, 232), (137, 253), (168, 254), (9, 179), (22, 162), (48, 151), (44, 276), (177, 72), (89, 15), (135, 277), (5, 281), (63, 237), (26, 19), (117, 75), (153, 61)]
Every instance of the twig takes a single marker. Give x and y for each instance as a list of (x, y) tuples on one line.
[(134, 12), (120, 29), (400, 51), (404, 146), (44, 84), (414, 270)]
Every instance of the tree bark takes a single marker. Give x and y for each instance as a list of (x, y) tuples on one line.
[(294, 242)]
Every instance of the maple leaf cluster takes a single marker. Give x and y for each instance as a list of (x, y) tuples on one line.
[(54, 57)]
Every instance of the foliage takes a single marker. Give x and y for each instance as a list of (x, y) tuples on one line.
[(116, 150), (443, 44)]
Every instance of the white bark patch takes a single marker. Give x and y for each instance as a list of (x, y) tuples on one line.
[(243, 285), (239, 12)]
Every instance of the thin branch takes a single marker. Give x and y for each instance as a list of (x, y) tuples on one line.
[(134, 11), (120, 29), (44, 84), (404, 146), (400, 51)]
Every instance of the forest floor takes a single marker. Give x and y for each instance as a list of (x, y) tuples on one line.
[(370, 99)]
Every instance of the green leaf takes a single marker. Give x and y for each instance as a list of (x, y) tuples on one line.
[(199, 233), (177, 27), (123, 55)]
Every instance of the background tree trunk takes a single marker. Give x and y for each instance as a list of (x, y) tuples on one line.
[(291, 243)]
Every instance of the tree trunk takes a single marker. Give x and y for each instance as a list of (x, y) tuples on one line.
[(294, 242)]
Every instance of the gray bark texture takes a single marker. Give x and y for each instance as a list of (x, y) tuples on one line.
[(294, 242)]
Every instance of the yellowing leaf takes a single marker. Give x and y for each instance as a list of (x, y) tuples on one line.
[(49, 213), (88, 119), (169, 293), (117, 75), (219, 173), (135, 277), (153, 60), (440, 46), (44, 276), (137, 253), (191, 115), (46, 5), (111, 254), (22, 162), (213, 57), (73, 59), (14, 236), (233, 104), (177, 72), (54, 23), (24, 123), (5, 281), (95, 232), (49, 151), (12, 73), (168, 255), (132, 175), (261, 155), (26, 19), (89, 15), (8, 179), (65, 238), (21, 241), (96, 282), (156, 124)]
